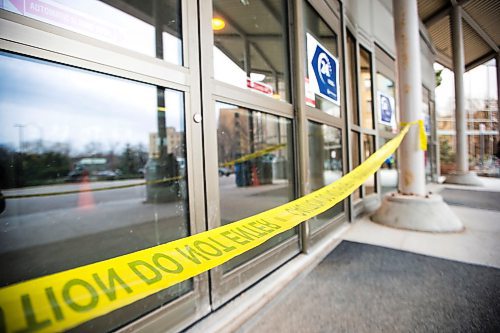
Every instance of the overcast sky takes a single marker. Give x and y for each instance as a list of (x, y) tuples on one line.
[(479, 83), (61, 104)]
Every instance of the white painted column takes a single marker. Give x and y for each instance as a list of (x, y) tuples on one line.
[(457, 43), (411, 158), (412, 208)]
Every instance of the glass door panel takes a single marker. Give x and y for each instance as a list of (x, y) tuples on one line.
[(256, 173), (325, 165), (368, 149), (324, 107), (365, 89), (255, 184), (355, 155), (152, 28), (251, 46), (101, 164), (319, 35), (388, 171), (250, 58)]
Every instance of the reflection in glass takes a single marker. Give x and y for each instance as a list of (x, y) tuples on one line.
[(64, 129), (256, 182), (355, 159), (369, 148), (318, 28), (352, 87), (386, 87), (325, 165), (365, 89), (153, 28), (251, 46), (431, 140), (427, 121), (389, 171)]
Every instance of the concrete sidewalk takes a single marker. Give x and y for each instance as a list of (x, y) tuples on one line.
[(479, 243), (403, 281)]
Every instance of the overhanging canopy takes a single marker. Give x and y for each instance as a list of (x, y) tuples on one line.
[(481, 29)]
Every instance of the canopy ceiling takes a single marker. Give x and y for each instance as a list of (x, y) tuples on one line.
[(481, 29)]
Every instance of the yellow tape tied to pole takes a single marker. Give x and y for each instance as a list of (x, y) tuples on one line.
[(64, 300), (421, 132)]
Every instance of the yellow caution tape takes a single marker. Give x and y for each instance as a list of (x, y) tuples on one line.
[(64, 300), (421, 133), (423, 136), (254, 155)]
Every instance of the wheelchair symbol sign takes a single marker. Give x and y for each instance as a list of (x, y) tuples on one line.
[(323, 70)]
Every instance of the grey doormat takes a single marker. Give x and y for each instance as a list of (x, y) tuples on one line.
[(365, 288), (472, 199)]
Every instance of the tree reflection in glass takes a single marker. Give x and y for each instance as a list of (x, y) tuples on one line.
[(255, 167), (100, 164)]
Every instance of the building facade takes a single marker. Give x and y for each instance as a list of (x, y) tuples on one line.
[(171, 92)]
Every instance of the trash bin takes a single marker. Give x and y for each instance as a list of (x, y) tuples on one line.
[(157, 190), (280, 168), (243, 175), (265, 169)]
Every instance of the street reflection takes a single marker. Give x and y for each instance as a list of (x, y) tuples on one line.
[(255, 168), (365, 89), (369, 148), (89, 170), (325, 165), (388, 173)]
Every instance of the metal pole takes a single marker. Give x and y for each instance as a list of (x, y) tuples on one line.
[(457, 43), (412, 167), (247, 57), (498, 93), (21, 143), (481, 145), (302, 139)]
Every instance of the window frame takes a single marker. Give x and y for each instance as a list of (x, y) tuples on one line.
[(385, 65), (331, 14), (226, 285), (32, 38), (362, 41)]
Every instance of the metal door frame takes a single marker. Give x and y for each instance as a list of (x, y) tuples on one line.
[(32, 38)]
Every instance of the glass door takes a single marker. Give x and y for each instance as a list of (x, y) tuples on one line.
[(323, 110), (248, 130), (363, 123), (98, 147), (387, 116)]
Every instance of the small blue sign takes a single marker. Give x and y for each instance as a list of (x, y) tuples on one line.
[(325, 69), (385, 110)]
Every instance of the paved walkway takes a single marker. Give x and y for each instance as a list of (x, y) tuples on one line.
[(402, 281), (479, 243)]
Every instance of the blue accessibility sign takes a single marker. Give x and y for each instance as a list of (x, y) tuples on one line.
[(326, 72)]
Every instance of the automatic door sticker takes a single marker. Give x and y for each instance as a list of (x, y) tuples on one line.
[(386, 114), (323, 71)]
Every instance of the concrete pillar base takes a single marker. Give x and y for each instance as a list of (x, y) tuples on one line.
[(417, 213), (469, 178)]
